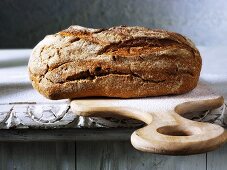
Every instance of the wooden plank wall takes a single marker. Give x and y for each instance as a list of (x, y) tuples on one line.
[(37, 156), (100, 155)]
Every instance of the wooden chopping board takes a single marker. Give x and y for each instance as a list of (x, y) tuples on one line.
[(166, 131)]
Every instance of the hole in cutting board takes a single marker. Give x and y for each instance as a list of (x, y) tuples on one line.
[(174, 131)]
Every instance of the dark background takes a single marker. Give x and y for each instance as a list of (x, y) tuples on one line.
[(23, 23)]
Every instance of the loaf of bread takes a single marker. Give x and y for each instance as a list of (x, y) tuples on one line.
[(124, 62)]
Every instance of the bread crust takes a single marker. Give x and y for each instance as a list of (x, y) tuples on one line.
[(125, 62)]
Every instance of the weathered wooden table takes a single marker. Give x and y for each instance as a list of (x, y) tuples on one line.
[(30, 140)]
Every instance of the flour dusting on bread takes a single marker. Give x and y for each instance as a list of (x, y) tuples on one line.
[(125, 62)]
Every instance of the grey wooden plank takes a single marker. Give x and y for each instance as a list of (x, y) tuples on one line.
[(65, 155), (216, 160), (5, 156), (37, 156), (65, 134), (121, 155)]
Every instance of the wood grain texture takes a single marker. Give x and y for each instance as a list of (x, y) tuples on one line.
[(65, 156), (121, 155), (165, 132), (217, 160), (73, 134), (36, 156)]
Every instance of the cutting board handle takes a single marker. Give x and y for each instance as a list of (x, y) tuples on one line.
[(178, 137), (166, 131)]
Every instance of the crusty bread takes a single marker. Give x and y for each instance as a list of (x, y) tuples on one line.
[(121, 61)]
